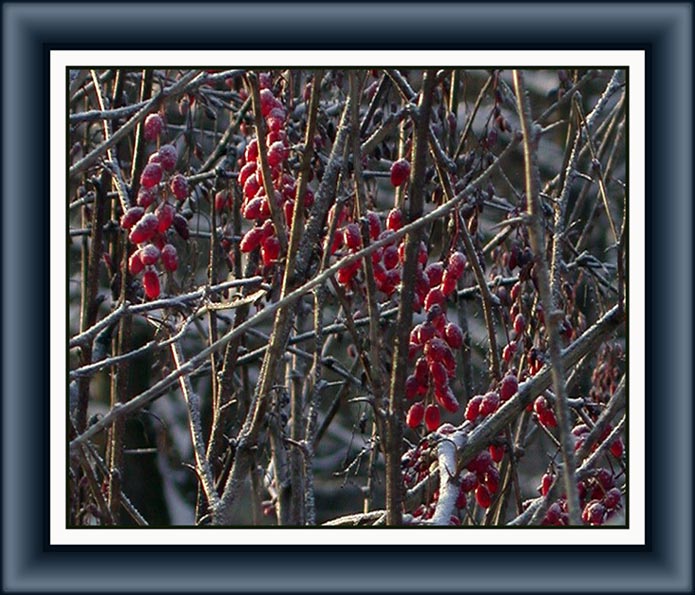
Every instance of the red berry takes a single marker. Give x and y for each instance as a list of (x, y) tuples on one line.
[(153, 127), (492, 479), (352, 236), (509, 387), (432, 417), (434, 272), (251, 152), (131, 217), (612, 498), (268, 101), (277, 153), (149, 254), (456, 264), (412, 387), (146, 196), (415, 415), (553, 515), (516, 291), (151, 283), (374, 224), (167, 157), (438, 374), (151, 175), (134, 263), (246, 172), (144, 229), (400, 170), (445, 397), (481, 463), (222, 199), (251, 186), (169, 258), (546, 483), (548, 419), (251, 240), (390, 257), (434, 296), (453, 335), (490, 403), (252, 209), (483, 497), (165, 216), (496, 452), (270, 250), (473, 408), (449, 282), (519, 324), (179, 186), (181, 226), (435, 350), (394, 220), (617, 448), (469, 481), (508, 352), (594, 513)]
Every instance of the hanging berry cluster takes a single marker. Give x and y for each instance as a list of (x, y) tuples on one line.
[(255, 205), (149, 222)]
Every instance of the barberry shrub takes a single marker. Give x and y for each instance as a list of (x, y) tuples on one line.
[(348, 297)]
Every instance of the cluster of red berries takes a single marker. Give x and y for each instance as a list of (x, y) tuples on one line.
[(482, 406), (435, 339), (255, 205), (599, 498), (149, 221)]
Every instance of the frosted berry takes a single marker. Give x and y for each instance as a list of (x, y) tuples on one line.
[(445, 397), (456, 264), (167, 157), (400, 170), (151, 284), (246, 172), (508, 352), (268, 101), (432, 417), (179, 186), (251, 186), (434, 296), (489, 403), (252, 209), (473, 408), (146, 197), (509, 387), (612, 498), (434, 272), (181, 226), (151, 175), (449, 282), (594, 513), (149, 254), (131, 217), (519, 324), (144, 229), (277, 153), (169, 258), (153, 127)]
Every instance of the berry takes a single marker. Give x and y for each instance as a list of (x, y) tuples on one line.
[(449, 281), (151, 283), (145, 229), (268, 101), (181, 226), (434, 296), (146, 197), (153, 127), (469, 481), (489, 403), (169, 258), (612, 498), (483, 497), (412, 387), (352, 236), (165, 216), (179, 186), (277, 153), (151, 175), (553, 515), (251, 240), (390, 257), (509, 387), (594, 513), (438, 374), (617, 448), (167, 157), (245, 172), (508, 352), (251, 152), (456, 264), (251, 186), (374, 224), (496, 452), (394, 220), (131, 217), (519, 324), (252, 209), (432, 417), (546, 483), (473, 408), (149, 254), (222, 200), (400, 170), (135, 264), (435, 350), (453, 335), (445, 397), (415, 415), (434, 272), (270, 250)]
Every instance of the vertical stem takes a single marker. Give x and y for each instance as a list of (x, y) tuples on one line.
[(552, 317), (394, 432)]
